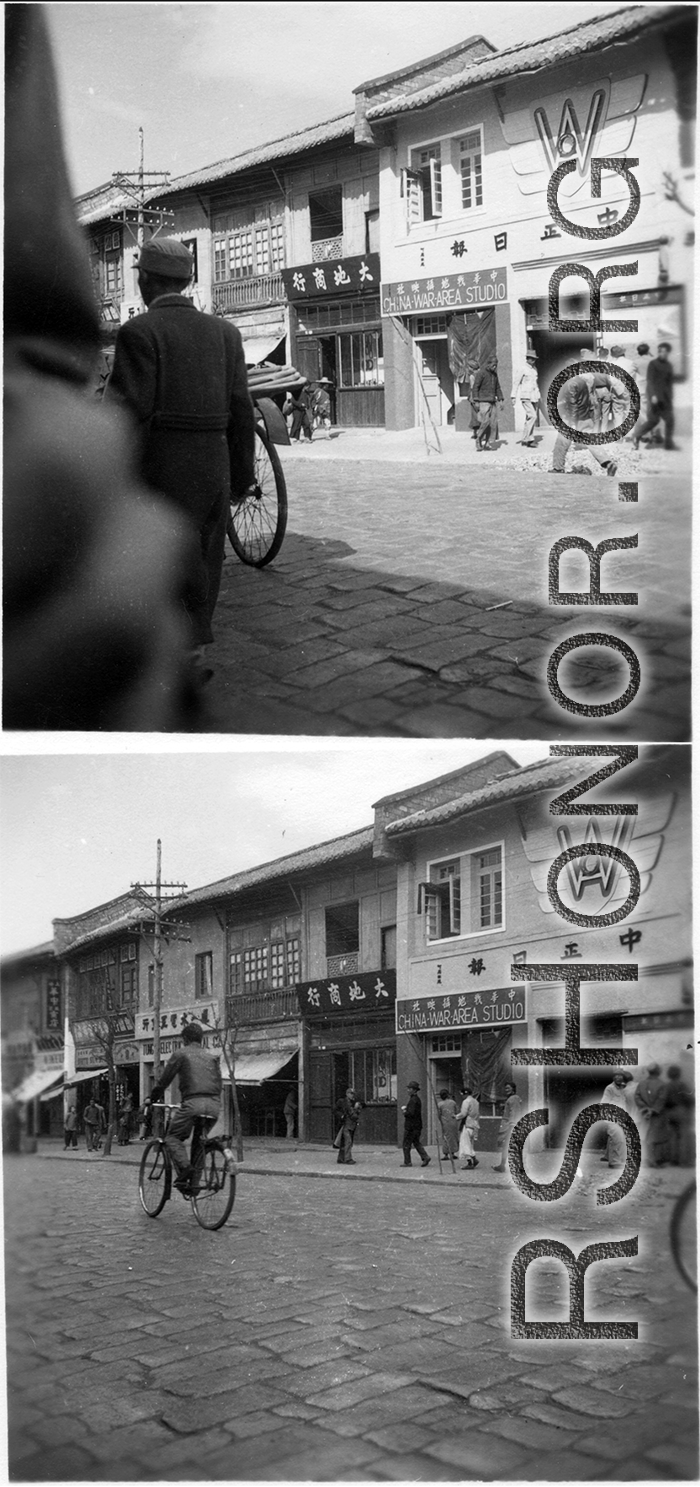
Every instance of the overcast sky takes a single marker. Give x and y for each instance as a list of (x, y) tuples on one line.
[(77, 830), (209, 80)]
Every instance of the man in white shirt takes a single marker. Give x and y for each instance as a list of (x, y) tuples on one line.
[(526, 387)]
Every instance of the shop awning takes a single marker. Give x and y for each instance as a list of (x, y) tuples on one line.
[(35, 1084), (258, 349), (255, 1068), (76, 1079)]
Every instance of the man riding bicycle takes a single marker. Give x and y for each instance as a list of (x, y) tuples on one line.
[(199, 1073)]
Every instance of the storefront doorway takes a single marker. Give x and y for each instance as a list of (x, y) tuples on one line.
[(436, 387)]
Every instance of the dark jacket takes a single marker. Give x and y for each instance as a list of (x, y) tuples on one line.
[(487, 388), (413, 1115), (660, 380), (183, 375), (198, 1071)]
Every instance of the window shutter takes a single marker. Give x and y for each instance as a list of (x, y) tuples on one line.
[(411, 192), (436, 188)]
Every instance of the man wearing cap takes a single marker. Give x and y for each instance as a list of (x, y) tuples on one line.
[(527, 388), (412, 1126), (182, 374)]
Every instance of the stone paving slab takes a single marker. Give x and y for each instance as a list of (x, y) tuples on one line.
[(397, 577), (299, 1256)]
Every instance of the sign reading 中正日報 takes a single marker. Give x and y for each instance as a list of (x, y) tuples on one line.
[(465, 291), (468, 1009)]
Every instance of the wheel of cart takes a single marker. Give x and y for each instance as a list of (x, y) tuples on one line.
[(257, 522)]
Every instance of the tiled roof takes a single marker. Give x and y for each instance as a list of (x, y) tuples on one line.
[(546, 775), (590, 36), (277, 149), (309, 859), (97, 205)]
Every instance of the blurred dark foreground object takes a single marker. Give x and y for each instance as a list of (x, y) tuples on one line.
[(94, 563)]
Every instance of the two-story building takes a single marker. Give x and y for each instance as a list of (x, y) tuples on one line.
[(468, 141), (473, 853)]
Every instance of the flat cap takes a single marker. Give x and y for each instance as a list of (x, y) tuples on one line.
[(166, 257), (413, 1085)]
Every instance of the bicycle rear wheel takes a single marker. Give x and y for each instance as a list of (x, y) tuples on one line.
[(213, 1187), (154, 1179), (257, 524)]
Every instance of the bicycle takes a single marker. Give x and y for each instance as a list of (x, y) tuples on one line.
[(213, 1184), (257, 523), (684, 1235)]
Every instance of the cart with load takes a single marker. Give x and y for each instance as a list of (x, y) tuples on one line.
[(258, 520)]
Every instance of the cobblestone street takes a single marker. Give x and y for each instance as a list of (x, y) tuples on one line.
[(339, 1329), (410, 599)]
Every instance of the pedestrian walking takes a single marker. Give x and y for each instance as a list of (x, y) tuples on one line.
[(290, 1110), (125, 1113), (145, 1118), (511, 1114), (469, 1129), (350, 1109), (412, 1126), (679, 1110), (91, 1122), (301, 415), (650, 1099), (527, 388), (615, 1093), (70, 1128), (447, 1116), (183, 376), (660, 395), (487, 395)]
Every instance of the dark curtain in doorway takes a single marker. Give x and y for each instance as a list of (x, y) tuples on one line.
[(486, 1067), (471, 339)]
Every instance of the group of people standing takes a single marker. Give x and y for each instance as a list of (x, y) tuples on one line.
[(598, 402), (307, 408), (460, 1127), (663, 1110)]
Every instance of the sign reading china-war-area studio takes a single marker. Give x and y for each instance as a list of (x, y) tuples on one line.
[(465, 291), (369, 991), (330, 279), (469, 1009)]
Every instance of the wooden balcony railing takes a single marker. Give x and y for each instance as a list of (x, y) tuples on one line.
[(266, 289), (262, 1006)]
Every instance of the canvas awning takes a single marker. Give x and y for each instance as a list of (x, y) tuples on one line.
[(259, 348), (256, 1068), (76, 1079), (35, 1083)]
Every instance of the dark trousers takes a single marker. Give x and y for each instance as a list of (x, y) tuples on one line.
[(411, 1139), (345, 1150), (71, 1139), (181, 1126), (657, 411)]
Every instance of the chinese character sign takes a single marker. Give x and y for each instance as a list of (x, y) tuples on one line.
[(365, 992), (464, 1010), (466, 290), (359, 275)]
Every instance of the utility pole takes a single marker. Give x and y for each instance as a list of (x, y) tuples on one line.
[(135, 184), (155, 892)]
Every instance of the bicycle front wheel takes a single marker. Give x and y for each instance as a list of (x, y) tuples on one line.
[(154, 1185), (213, 1188), (257, 524)]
